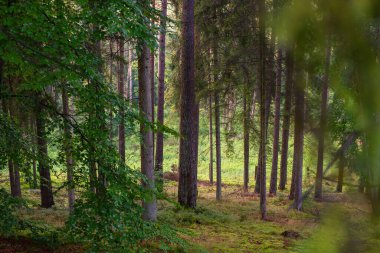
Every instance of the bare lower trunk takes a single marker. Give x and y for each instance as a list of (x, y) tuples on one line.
[(145, 104), (263, 110), (47, 200), (339, 186), (323, 119), (187, 187), (286, 120), (218, 149), (276, 127), (246, 126), (68, 151), (211, 168), (120, 89), (299, 117), (161, 96)]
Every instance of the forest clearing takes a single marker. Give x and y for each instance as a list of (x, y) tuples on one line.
[(190, 126)]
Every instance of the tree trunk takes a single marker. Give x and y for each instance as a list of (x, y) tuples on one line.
[(47, 200), (286, 120), (299, 117), (218, 148), (246, 126), (187, 187), (323, 120), (211, 168), (120, 89), (161, 95), (263, 108), (152, 69), (145, 105), (68, 151), (339, 186), (130, 73), (276, 130)]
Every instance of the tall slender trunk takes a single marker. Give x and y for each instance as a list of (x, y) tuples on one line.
[(263, 109), (276, 128), (339, 186), (323, 120), (299, 117), (218, 148), (130, 73), (211, 168), (47, 199), (188, 155), (152, 69), (145, 105), (68, 150), (246, 126), (120, 89), (286, 119), (14, 171), (161, 94)]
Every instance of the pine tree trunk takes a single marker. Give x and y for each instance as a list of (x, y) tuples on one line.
[(187, 187), (47, 199), (276, 130), (263, 110), (161, 95), (339, 186), (68, 151), (246, 126), (299, 117), (218, 148), (211, 168), (152, 70), (145, 105), (323, 120), (120, 89), (286, 120), (130, 73)]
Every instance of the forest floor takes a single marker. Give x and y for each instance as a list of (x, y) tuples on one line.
[(339, 222)]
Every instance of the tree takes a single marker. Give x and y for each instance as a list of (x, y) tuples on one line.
[(120, 89), (145, 105), (263, 107), (68, 150), (246, 128), (218, 148), (323, 121), (161, 92), (299, 116), (47, 199), (211, 168), (286, 119), (341, 165), (188, 150), (276, 127)]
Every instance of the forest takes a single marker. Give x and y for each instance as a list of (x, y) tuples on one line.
[(190, 126)]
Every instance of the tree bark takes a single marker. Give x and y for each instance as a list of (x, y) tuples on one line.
[(263, 108), (211, 168), (120, 89), (299, 117), (187, 187), (276, 130), (218, 148), (47, 199), (145, 105), (286, 119), (161, 94), (323, 120), (246, 126), (339, 186), (68, 151)]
